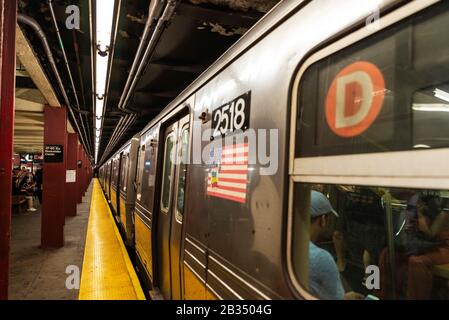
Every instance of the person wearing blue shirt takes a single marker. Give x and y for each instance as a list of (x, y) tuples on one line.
[(324, 278)]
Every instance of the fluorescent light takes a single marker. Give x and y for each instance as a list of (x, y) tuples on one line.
[(104, 20), (431, 107), (421, 146), (104, 15), (440, 94), (99, 105), (102, 71)]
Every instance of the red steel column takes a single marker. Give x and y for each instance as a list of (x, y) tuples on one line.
[(87, 172), (53, 207), (71, 185), (79, 180), (8, 16), (86, 181), (86, 184), (83, 173)]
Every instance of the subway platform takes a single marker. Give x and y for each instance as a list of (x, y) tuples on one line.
[(92, 245)]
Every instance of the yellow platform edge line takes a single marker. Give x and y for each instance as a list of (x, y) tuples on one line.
[(131, 271)]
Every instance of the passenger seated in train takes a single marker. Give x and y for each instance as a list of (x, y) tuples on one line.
[(358, 234), (421, 242), (364, 228), (414, 224), (324, 278)]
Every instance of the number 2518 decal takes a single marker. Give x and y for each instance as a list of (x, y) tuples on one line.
[(232, 116)]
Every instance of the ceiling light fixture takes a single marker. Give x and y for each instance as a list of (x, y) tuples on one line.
[(440, 94), (104, 16), (430, 107)]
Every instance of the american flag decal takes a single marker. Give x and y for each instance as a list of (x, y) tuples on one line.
[(227, 178)]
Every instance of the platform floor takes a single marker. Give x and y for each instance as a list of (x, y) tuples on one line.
[(37, 274), (108, 273)]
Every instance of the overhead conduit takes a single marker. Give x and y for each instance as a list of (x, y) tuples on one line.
[(61, 45), (160, 12), (37, 29)]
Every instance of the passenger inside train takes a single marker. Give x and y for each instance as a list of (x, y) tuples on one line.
[(402, 233)]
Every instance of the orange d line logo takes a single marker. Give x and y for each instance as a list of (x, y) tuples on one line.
[(355, 99)]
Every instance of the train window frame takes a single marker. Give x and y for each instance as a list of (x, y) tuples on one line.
[(350, 169), (170, 192), (124, 171), (139, 171), (179, 216)]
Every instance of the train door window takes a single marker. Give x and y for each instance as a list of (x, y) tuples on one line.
[(114, 173), (167, 171), (124, 173), (138, 177), (370, 231), (149, 171), (140, 168), (182, 172)]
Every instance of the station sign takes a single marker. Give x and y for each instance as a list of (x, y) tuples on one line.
[(53, 153), (355, 99)]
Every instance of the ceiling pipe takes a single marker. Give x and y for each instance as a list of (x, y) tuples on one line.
[(162, 21), (81, 83), (166, 16), (106, 149), (61, 45), (155, 11), (37, 29), (124, 121)]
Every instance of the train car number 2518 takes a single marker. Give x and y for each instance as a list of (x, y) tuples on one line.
[(232, 116)]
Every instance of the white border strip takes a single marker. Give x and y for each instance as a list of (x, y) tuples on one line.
[(414, 169)]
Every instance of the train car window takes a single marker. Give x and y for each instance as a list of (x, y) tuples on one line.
[(388, 243), (114, 172), (124, 172), (140, 168), (182, 173), (167, 171), (148, 163), (387, 92)]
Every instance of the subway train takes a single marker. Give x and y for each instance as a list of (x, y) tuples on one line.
[(347, 98)]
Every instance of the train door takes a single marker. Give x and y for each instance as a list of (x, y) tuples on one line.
[(171, 207)]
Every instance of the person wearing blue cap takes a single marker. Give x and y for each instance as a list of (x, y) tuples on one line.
[(324, 278)]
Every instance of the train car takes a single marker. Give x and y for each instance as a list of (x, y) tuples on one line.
[(101, 176), (123, 190), (345, 98)]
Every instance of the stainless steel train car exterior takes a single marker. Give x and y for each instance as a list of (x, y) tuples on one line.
[(245, 241), (121, 186)]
